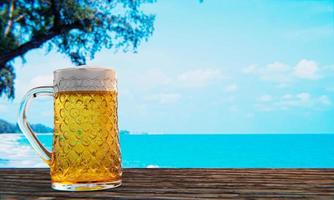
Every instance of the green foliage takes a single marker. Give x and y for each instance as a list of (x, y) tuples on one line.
[(76, 28), (6, 127), (7, 77), (40, 128)]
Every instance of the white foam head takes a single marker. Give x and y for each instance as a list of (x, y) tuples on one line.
[(85, 79)]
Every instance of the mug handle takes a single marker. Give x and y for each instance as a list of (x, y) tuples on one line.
[(25, 126)]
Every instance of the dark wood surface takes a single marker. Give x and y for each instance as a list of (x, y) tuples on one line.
[(182, 184)]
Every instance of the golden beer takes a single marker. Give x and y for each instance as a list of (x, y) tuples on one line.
[(86, 143), (86, 152)]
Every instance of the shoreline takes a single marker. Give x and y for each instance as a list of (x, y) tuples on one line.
[(192, 134)]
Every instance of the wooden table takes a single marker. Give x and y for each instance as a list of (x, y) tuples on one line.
[(182, 184)]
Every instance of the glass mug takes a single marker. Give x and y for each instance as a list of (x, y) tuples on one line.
[(86, 151)]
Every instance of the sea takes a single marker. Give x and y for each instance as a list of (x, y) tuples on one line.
[(196, 151)]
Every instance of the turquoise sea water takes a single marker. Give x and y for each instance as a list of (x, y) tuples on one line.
[(183, 151)]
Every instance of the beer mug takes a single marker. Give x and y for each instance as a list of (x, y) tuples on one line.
[(86, 150)]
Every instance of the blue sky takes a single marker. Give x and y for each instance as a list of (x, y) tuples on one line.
[(220, 66)]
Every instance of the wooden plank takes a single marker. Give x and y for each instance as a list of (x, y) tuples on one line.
[(182, 184)]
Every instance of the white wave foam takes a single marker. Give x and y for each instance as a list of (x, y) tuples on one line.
[(152, 166), (15, 154)]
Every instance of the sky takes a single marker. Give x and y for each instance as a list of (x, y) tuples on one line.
[(221, 66)]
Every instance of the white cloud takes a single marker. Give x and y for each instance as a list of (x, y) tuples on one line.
[(150, 78), (251, 69), (2, 108), (42, 80), (275, 72), (249, 115), (199, 77), (304, 97), (283, 74), (325, 100), (194, 78), (265, 98), (288, 101), (18, 155), (306, 69), (23, 87), (233, 108), (231, 88), (164, 98), (287, 96)]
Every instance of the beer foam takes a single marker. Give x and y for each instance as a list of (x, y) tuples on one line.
[(85, 79)]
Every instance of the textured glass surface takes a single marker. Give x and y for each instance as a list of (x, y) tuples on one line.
[(86, 143)]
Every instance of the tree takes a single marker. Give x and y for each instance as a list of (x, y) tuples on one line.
[(76, 28)]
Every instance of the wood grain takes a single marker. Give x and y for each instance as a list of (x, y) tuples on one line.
[(182, 184)]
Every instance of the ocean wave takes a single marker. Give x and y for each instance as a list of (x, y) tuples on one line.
[(15, 154), (152, 166)]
